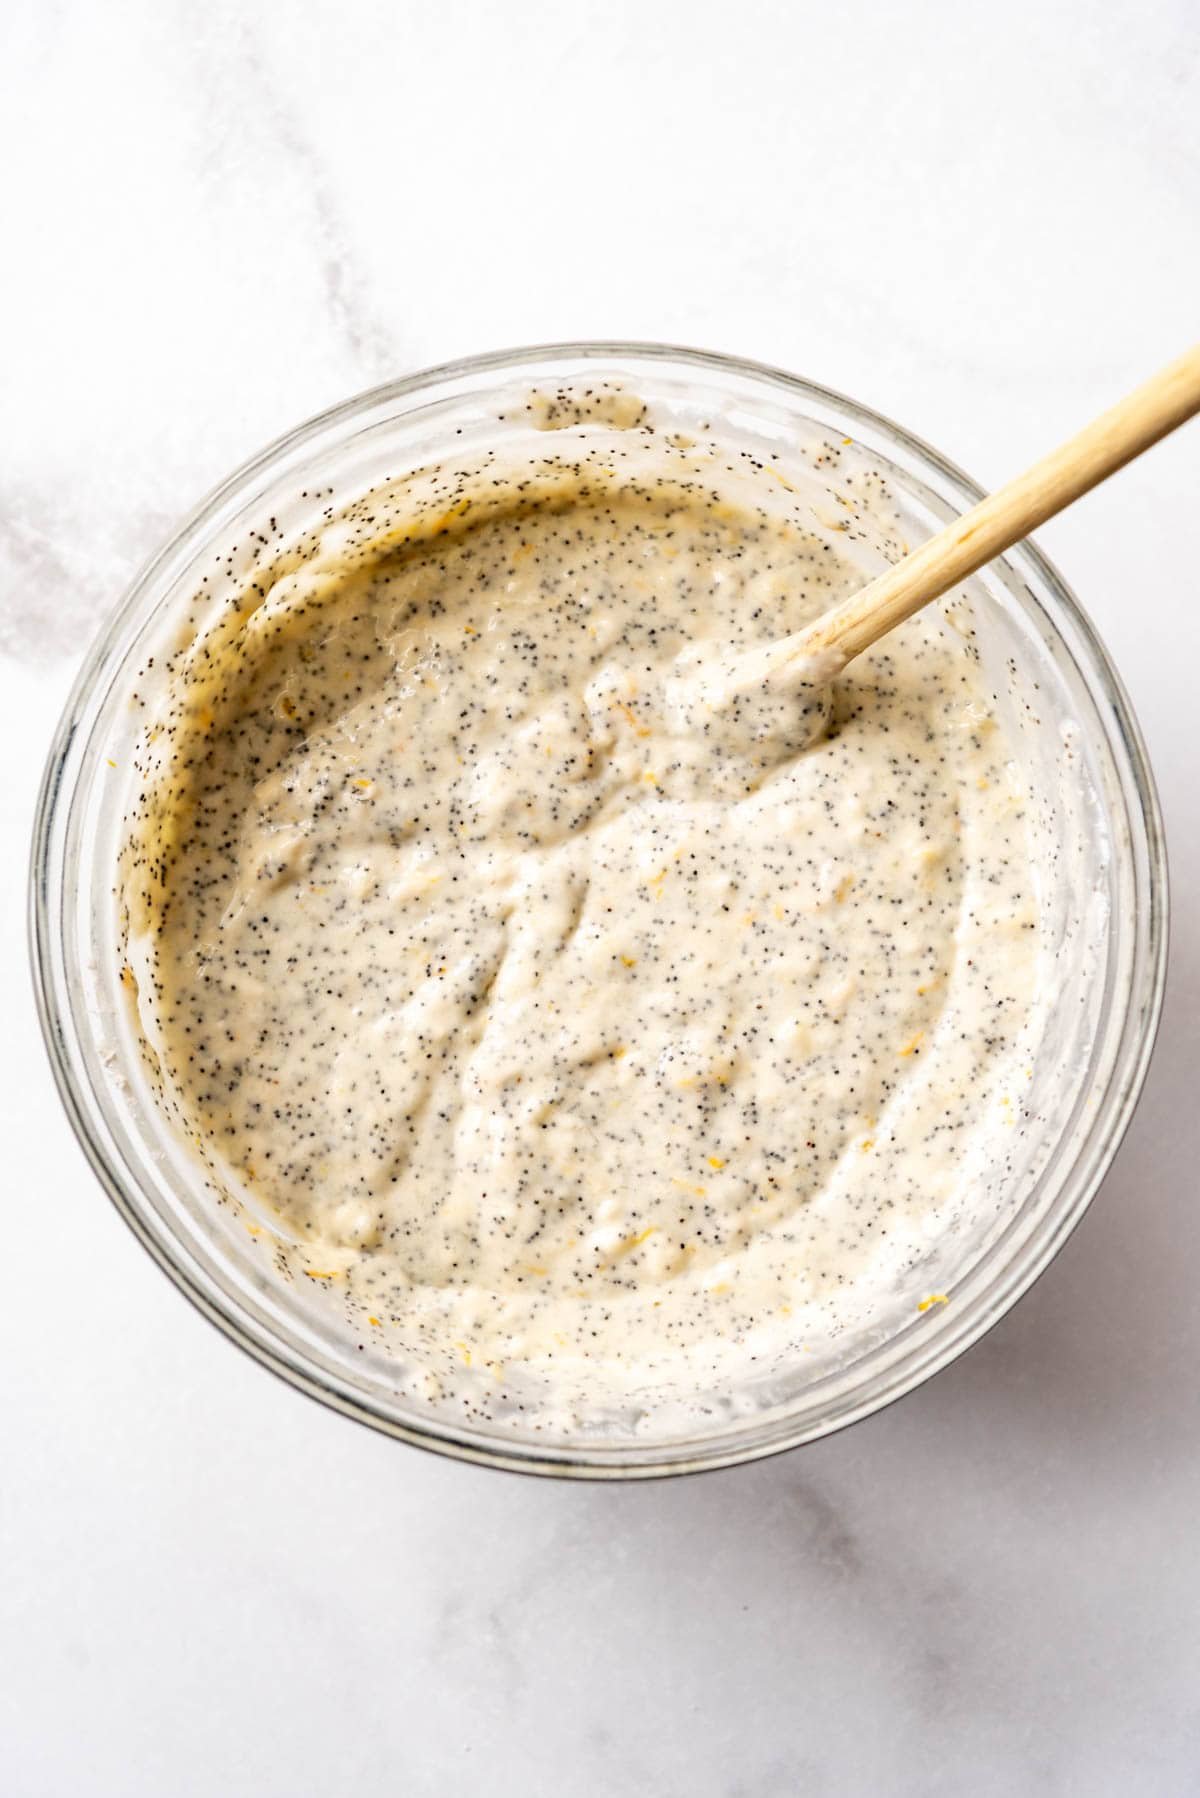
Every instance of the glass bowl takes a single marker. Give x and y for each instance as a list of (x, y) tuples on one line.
[(1077, 731)]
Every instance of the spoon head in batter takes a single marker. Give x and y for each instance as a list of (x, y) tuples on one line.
[(762, 703)]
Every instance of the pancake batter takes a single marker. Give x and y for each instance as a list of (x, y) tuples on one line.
[(555, 1029)]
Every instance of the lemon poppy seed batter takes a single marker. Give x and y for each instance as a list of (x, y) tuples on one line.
[(556, 1028)]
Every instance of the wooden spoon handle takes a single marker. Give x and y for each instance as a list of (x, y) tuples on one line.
[(1167, 400)]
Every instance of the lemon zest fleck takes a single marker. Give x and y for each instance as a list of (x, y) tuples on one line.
[(640, 730), (627, 1246)]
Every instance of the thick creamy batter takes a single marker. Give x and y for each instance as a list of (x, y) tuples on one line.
[(554, 1026)]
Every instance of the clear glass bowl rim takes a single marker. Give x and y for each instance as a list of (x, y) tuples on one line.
[(61, 1024)]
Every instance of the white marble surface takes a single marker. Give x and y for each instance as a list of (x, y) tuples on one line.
[(220, 218)]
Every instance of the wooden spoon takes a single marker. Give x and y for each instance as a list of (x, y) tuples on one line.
[(759, 685)]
